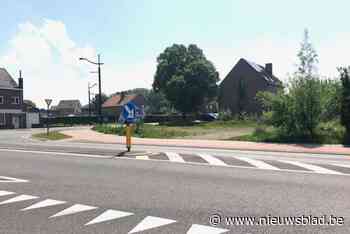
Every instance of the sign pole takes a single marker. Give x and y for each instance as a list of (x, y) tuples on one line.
[(48, 103), (128, 137)]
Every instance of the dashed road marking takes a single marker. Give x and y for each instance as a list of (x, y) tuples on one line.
[(151, 222), (5, 193), (143, 157), (56, 153), (257, 163), (174, 157), (212, 160), (311, 167), (201, 229), (45, 203), (109, 215), (5, 179), (18, 199), (74, 209)]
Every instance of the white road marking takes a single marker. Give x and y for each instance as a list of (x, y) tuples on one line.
[(5, 179), (57, 153), (342, 165), (201, 229), (151, 222), (109, 215), (5, 193), (311, 167), (45, 203), (18, 199), (142, 157), (74, 209), (174, 157), (212, 160), (257, 163)]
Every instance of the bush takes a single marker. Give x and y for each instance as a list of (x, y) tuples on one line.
[(296, 112), (225, 115)]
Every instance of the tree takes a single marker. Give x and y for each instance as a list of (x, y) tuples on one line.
[(95, 102), (156, 103), (308, 57), (331, 90), (345, 101), (185, 77), (298, 111)]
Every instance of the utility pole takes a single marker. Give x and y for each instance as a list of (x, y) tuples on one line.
[(89, 100), (99, 84), (99, 90)]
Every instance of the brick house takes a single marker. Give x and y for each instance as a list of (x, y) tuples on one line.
[(239, 88), (11, 101), (114, 105)]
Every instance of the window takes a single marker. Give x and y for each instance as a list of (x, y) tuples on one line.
[(2, 119), (15, 100), (1, 100)]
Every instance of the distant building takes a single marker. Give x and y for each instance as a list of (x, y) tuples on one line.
[(113, 106), (11, 101), (239, 88), (29, 106), (67, 108)]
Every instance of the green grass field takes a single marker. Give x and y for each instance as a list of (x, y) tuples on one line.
[(185, 130)]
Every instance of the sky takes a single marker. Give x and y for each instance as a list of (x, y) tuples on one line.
[(45, 39)]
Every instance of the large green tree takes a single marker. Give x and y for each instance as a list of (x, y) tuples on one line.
[(345, 101), (186, 77)]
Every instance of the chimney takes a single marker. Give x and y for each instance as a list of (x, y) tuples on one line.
[(268, 68), (122, 96), (20, 80)]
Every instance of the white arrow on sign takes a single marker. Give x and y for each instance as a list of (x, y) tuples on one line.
[(5, 179)]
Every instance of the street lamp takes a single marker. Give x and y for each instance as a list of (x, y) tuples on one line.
[(90, 87), (98, 63)]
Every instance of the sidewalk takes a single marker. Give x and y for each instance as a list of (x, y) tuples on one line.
[(92, 136)]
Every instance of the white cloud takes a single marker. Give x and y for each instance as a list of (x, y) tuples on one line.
[(48, 58)]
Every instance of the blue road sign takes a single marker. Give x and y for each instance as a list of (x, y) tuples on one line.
[(131, 113)]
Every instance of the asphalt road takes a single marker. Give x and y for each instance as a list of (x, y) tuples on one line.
[(127, 195)]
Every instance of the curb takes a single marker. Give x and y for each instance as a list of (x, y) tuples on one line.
[(134, 153)]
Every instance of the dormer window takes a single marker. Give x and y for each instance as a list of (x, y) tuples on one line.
[(15, 100)]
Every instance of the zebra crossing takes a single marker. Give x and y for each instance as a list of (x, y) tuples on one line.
[(249, 162), (147, 223)]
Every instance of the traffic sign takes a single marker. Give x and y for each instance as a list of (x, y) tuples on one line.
[(48, 101), (131, 113)]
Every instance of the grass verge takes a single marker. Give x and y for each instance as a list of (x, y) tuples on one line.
[(52, 136), (181, 129)]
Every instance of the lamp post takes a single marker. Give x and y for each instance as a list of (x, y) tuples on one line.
[(98, 63), (48, 103), (89, 93)]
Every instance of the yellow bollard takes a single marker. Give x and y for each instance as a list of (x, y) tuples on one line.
[(128, 137)]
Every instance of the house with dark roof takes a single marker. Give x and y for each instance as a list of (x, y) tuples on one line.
[(67, 108), (11, 101), (239, 88), (114, 105)]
